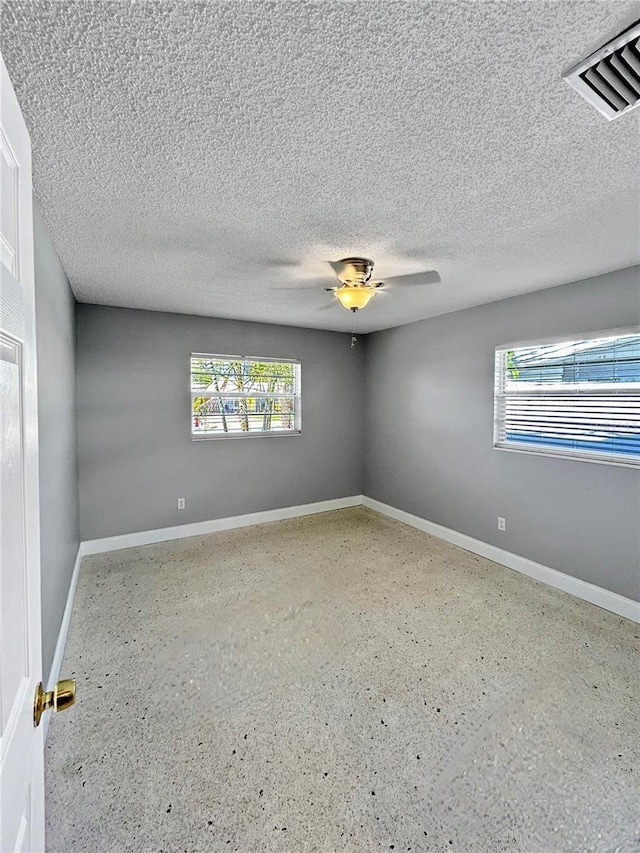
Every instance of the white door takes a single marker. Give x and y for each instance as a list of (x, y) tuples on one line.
[(21, 744)]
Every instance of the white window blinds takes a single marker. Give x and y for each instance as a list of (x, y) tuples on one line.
[(576, 398)]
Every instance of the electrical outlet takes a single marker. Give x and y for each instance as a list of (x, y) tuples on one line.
[(502, 523), (181, 503)]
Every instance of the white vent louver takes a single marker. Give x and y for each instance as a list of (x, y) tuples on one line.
[(610, 78)]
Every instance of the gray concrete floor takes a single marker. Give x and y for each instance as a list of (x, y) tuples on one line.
[(340, 682)]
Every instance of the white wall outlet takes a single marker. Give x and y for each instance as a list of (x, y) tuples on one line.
[(502, 523), (182, 503)]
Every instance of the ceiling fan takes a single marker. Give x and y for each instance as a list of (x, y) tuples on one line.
[(356, 288)]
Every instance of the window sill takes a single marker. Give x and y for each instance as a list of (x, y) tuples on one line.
[(573, 457), (232, 435)]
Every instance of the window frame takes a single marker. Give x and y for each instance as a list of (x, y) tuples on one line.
[(549, 451), (297, 395)]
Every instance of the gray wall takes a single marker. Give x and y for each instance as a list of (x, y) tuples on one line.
[(135, 450), (57, 423), (429, 432)]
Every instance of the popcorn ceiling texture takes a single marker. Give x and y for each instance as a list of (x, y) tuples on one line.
[(207, 157)]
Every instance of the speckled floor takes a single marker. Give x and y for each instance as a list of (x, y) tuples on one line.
[(340, 682)]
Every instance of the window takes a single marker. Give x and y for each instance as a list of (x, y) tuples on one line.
[(573, 398), (238, 396)]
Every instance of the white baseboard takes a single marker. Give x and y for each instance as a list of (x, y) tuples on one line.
[(199, 528), (56, 663), (611, 601)]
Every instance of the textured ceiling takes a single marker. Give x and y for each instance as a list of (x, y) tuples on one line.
[(207, 157)]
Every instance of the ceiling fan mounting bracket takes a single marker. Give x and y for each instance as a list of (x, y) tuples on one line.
[(355, 270)]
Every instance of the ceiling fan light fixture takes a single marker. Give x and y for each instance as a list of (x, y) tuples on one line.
[(354, 297)]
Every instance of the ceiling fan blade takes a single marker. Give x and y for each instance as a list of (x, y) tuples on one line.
[(295, 287), (279, 263), (426, 277)]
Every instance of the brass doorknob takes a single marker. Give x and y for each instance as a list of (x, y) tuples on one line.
[(62, 696)]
